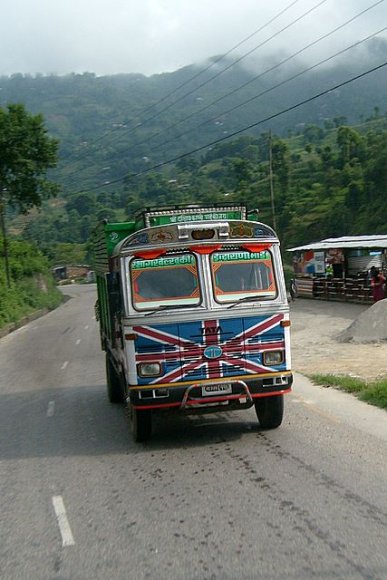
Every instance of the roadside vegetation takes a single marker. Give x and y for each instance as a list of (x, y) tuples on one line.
[(31, 287), (374, 393), (26, 154)]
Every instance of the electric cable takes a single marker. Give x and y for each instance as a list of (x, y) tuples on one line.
[(239, 59), (202, 71), (324, 61), (235, 107), (245, 55), (297, 53), (243, 129), (249, 82)]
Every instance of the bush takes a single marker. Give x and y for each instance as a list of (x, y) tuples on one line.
[(32, 286), (26, 296)]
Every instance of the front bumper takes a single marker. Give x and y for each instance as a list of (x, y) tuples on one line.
[(189, 397)]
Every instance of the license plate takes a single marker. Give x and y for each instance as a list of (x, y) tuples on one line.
[(216, 390)]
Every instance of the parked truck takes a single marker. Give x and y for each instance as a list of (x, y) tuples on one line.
[(193, 314)]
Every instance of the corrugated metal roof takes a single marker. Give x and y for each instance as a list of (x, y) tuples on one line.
[(377, 241)]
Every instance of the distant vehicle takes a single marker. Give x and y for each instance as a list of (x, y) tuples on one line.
[(91, 277), (193, 314)]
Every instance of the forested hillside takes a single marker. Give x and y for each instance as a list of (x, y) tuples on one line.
[(323, 182), (109, 126), (317, 170)]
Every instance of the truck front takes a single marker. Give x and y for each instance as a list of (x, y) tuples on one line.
[(206, 319)]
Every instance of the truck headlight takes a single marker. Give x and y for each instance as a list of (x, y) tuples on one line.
[(273, 357), (149, 369)]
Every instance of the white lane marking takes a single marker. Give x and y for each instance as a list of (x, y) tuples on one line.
[(51, 408), (63, 523), (78, 341), (86, 327), (62, 368)]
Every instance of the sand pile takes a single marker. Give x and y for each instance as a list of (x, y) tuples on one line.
[(370, 326)]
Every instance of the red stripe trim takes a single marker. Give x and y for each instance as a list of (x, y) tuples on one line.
[(160, 406), (273, 394), (214, 400)]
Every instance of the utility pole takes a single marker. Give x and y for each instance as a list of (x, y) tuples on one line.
[(5, 239), (271, 182)]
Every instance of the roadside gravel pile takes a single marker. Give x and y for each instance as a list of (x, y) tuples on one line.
[(369, 326)]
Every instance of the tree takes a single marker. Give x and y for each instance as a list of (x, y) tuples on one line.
[(26, 153), (313, 134), (349, 143), (280, 162), (83, 203), (64, 253), (240, 172)]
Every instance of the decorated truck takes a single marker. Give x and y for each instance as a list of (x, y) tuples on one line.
[(193, 314)]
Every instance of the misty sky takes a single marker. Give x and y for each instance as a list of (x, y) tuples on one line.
[(154, 36)]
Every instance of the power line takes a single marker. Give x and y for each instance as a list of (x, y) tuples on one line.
[(246, 128), (260, 75), (238, 60), (297, 53), (202, 71), (242, 57), (293, 77)]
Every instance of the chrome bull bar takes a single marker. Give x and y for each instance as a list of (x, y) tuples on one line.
[(213, 400)]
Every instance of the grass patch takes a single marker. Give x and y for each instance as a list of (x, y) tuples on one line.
[(374, 393)]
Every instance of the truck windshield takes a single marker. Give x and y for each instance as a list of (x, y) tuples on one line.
[(240, 274), (169, 280)]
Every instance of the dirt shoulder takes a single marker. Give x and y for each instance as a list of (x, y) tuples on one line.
[(315, 326)]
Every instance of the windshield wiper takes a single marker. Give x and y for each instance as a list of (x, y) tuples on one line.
[(166, 307), (249, 299)]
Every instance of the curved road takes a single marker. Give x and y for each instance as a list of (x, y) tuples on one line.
[(208, 497)]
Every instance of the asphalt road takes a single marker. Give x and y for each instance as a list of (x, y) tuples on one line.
[(208, 497)]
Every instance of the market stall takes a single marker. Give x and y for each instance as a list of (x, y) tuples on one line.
[(339, 268)]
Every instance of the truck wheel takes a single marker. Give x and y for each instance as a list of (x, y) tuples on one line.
[(270, 411), (141, 424), (114, 386)]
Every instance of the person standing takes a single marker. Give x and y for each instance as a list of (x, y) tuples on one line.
[(377, 285)]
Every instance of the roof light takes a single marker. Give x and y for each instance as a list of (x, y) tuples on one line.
[(203, 234)]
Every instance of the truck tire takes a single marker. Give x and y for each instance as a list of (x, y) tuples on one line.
[(114, 385), (293, 289), (270, 411), (141, 424)]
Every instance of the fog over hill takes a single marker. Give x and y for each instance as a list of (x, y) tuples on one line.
[(116, 122)]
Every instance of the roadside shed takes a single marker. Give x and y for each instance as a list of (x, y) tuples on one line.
[(71, 272), (338, 268)]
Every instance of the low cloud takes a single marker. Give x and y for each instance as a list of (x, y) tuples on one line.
[(154, 36)]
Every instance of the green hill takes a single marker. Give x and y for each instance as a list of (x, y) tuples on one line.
[(328, 172), (110, 126)]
